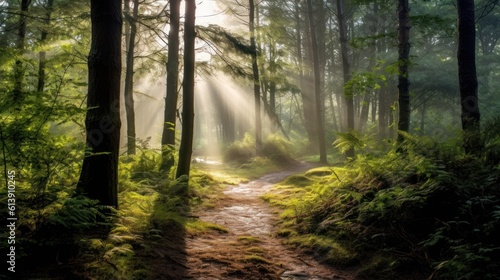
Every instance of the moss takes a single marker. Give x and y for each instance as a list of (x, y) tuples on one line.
[(195, 226), (298, 180), (247, 240), (256, 250), (256, 259), (320, 171), (216, 227), (286, 232)]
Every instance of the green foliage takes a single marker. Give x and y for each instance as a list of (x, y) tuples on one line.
[(363, 82), (240, 151), (147, 164), (491, 141), (422, 204), (274, 148), (278, 149), (40, 136), (169, 154), (78, 213), (348, 140)]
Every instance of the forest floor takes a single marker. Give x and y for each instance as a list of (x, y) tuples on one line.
[(246, 246)]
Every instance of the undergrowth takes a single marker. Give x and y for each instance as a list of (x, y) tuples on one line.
[(154, 213), (77, 238), (423, 209), (274, 148)]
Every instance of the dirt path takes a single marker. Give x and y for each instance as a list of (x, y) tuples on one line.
[(249, 250)]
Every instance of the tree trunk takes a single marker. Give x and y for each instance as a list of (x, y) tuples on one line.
[(168, 136), (186, 148), (320, 127), (332, 67), (403, 61), (307, 98), (346, 68), (383, 110), (384, 97), (422, 118), (256, 80), (368, 99), (129, 77), (19, 68), (99, 175), (272, 95), (42, 54), (467, 76), (374, 110), (365, 108)]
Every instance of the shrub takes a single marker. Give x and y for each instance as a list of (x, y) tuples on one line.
[(278, 149), (240, 151), (423, 207)]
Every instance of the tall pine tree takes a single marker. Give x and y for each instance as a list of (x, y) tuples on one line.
[(99, 175)]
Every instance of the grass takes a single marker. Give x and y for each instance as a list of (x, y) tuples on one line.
[(420, 209), (296, 196)]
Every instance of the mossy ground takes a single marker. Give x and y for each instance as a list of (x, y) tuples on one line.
[(400, 214)]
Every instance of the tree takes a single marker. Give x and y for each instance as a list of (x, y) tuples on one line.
[(129, 73), (320, 127), (186, 147), (99, 174), (307, 96), (42, 54), (467, 76), (403, 61), (168, 136), (256, 80), (346, 69), (21, 38)]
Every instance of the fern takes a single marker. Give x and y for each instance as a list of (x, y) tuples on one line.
[(78, 213), (348, 140)]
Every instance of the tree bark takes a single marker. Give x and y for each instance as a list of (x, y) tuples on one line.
[(346, 69), (256, 80), (99, 175), (19, 68), (467, 76), (186, 148), (320, 127), (372, 56), (383, 111), (332, 66), (129, 77), (42, 54), (403, 61), (307, 98), (168, 136)]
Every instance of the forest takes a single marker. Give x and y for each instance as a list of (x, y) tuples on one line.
[(259, 139)]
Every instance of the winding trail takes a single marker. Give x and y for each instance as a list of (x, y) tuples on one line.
[(249, 250)]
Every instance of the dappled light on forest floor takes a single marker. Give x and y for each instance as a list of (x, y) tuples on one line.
[(206, 161), (249, 249)]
